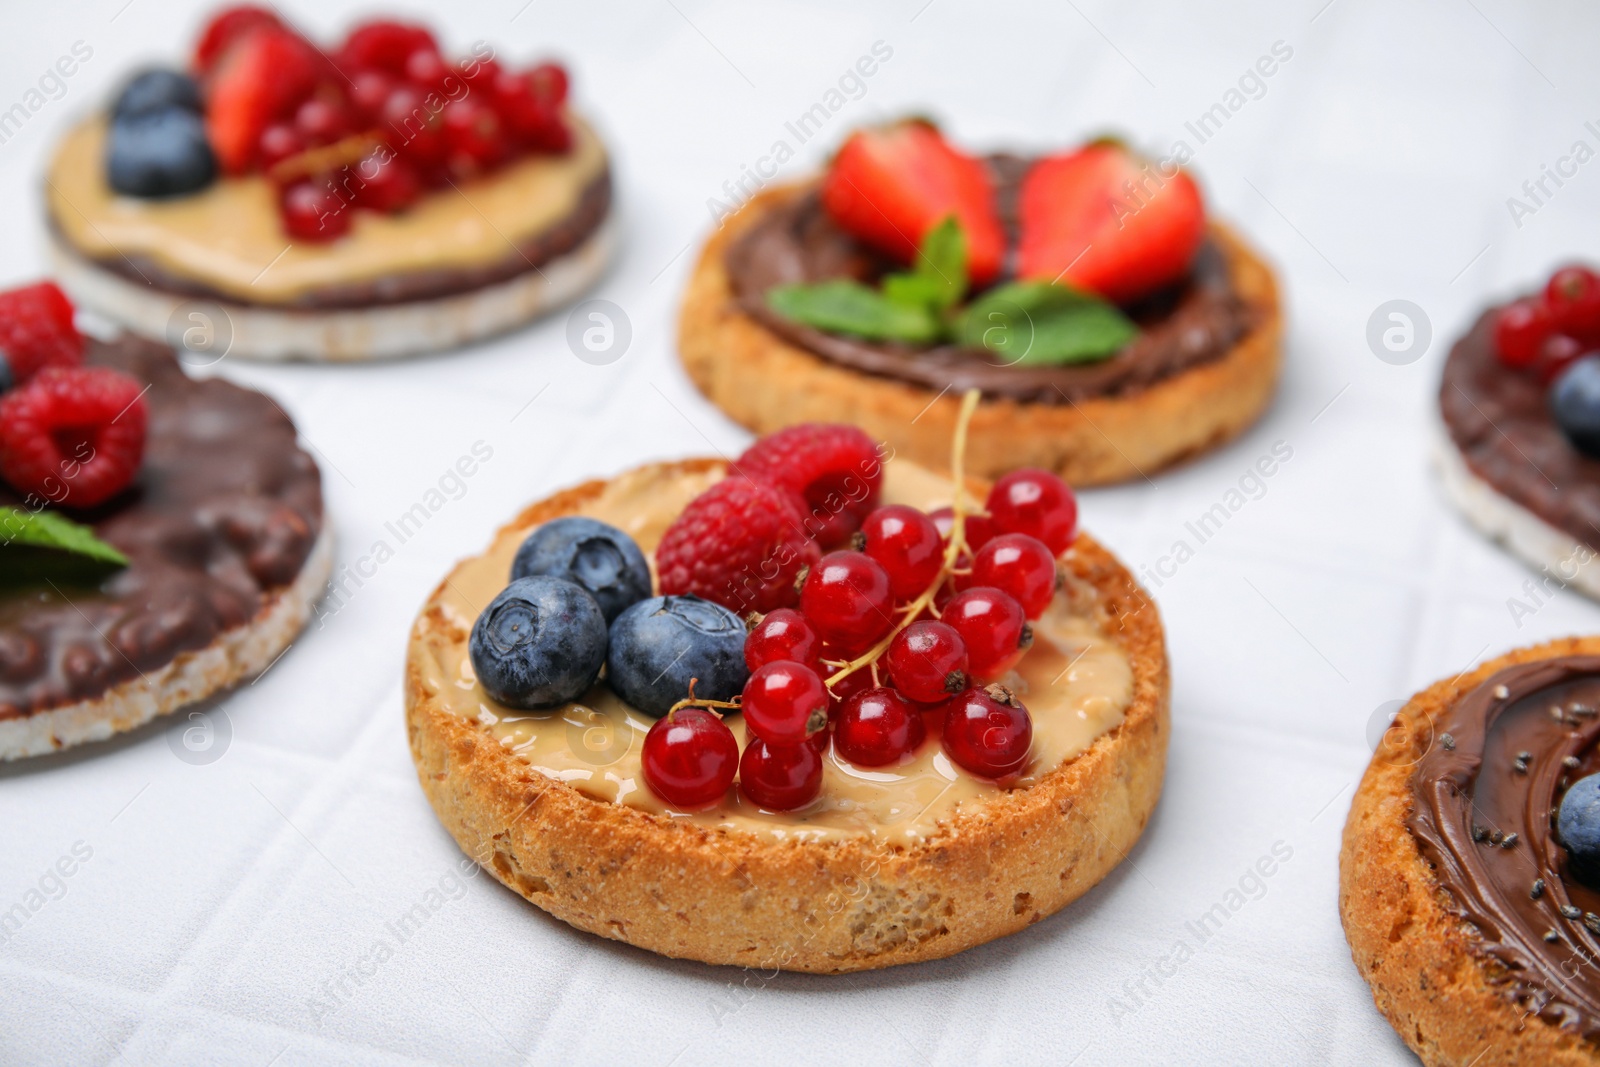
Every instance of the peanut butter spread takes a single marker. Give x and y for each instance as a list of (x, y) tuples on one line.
[(1075, 681), (228, 239)]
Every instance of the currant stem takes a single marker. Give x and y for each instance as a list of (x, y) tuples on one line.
[(952, 551)]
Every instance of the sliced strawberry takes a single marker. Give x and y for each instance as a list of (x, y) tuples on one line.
[(225, 27), (261, 78), (1105, 220), (890, 185)]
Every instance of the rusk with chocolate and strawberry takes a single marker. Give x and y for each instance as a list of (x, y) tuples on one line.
[(1111, 328), (810, 709), (161, 538), (369, 199), (1520, 404)]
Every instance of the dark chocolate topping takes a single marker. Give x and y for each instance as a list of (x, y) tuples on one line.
[(1195, 322), (224, 512), (1469, 794)]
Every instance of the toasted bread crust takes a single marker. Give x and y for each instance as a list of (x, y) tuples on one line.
[(730, 897), (766, 383), (1429, 974)]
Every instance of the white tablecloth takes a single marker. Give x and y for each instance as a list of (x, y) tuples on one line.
[(239, 911)]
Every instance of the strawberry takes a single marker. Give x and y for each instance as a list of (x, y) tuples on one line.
[(260, 79), (225, 27), (890, 185), (1106, 221)]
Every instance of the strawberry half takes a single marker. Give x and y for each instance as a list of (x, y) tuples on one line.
[(1105, 220), (225, 27), (890, 185), (261, 78)]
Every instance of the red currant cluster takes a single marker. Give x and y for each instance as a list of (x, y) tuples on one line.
[(1544, 334), (900, 636), (374, 125)]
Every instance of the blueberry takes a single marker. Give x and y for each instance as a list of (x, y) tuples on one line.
[(540, 643), (1578, 826), (601, 558), (1575, 404), (157, 90), (659, 644), (163, 153)]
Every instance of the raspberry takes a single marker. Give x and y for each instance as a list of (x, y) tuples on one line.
[(36, 331), (73, 436), (740, 544), (834, 468)]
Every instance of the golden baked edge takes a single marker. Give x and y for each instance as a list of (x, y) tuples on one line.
[(1428, 973), (765, 383), (728, 897)]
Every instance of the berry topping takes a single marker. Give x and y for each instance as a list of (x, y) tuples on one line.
[(598, 557), (780, 777), (225, 27), (279, 142), (890, 185), (1520, 329), (846, 687), (690, 758), (321, 120), (740, 543), (159, 153), (834, 468), (979, 528), (927, 662), (1555, 355), (473, 135), (1575, 405), (1578, 827), (993, 627), (988, 732), (877, 727), (783, 634), (784, 703), (908, 545), (72, 436), (1019, 565), (539, 644), (1102, 219), (662, 645), (261, 78), (846, 598), (314, 211), (1036, 503), (1573, 298), (36, 331), (156, 90), (383, 46)]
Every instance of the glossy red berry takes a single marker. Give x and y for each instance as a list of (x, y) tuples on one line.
[(385, 182), (321, 121), (368, 91), (1019, 565), (1520, 329), (72, 436), (690, 758), (835, 469), (988, 732), (225, 27), (782, 634), (475, 139), (846, 599), (314, 211), (37, 330), (413, 127), (549, 83), (841, 691), (908, 545), (994, 628), (1573, 297), (978, 527), (780, 777), (877, 727), (784, 702), (927, 662), (383, 45), (278, 142), (1037, 503), (427, 68)]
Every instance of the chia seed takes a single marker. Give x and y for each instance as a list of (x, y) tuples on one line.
[(1538, 889), (1508, 841), (1448, 741), (1501, 692), (1570, 763), (1570, 912)]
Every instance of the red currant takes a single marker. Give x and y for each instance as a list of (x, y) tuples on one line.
[(782, 634), (1019, 565), (994, 628), (988, 732), (780, 777), (908, 545), (278, 142), (385, 182), (877, 727), (314, 211), (1037, 503), (978, 528), (1555, 355), (1520, 329), (548, 81), (1573, 297), (426, 67), (473, 135), (847, 687), (784, 702), (927, 662), (412, 127), (846, 598), (368, 91), (690, 758), (320, 121)]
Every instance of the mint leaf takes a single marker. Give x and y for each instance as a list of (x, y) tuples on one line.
[(845, 306), (46, 529), (938, 280), (1040, 323)]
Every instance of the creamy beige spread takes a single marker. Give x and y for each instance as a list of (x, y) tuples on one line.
[(229, 238), (1075, 681)]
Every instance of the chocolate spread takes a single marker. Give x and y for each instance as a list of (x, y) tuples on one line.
[(224, 511), (1500, 421), (1470, 793), (1188, 324)]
